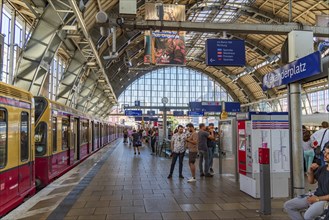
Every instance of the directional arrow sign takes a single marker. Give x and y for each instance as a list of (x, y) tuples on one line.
[(225, 52)]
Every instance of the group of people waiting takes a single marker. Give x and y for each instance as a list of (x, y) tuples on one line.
[(202, 143), (135, 138), (316, 154)]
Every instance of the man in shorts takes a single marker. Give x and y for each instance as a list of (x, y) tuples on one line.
[(191, 143)]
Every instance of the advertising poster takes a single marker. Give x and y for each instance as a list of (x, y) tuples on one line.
[(165, 12), (169, 48), (165, 47), (147, 48)]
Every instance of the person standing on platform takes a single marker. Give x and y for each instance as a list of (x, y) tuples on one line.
[(308, 150), (320, 138), (313, 202), (178, 151), (211, 146), (153, 140), (136, 141), (192, 142), (130, 132), (203, 136), (125, 136)]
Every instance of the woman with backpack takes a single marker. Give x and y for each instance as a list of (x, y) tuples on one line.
[(319, 139)]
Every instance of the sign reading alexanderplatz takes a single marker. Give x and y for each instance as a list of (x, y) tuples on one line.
[(302, 68)]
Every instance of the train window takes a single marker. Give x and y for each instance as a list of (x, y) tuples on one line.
[(40, 106), (3, 137), (24, 136), (40, 138), (54, 129), (84, 132), (65, 133)]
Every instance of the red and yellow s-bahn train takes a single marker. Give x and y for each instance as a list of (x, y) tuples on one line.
[(40, 140)]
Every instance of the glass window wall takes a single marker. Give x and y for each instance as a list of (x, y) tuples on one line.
[(180, 85)]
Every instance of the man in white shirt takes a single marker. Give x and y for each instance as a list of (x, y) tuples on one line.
[(321, 137), (178, 150)]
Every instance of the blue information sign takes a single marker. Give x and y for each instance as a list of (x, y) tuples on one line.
[(224, 52), (295, 71), (137, 103), (133, 112), (153, 119), (151, 113), (211, 106), (232, 106), (178, 113), (196, 106), (195, 113)]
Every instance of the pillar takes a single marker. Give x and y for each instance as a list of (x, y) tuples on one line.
[(165, 123), (296, 152)]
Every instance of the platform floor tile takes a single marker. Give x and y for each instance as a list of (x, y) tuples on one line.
[(121, 185)]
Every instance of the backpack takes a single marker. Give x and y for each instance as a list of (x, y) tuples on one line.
[(318, 152)]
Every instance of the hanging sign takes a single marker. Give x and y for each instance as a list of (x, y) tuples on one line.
[(302, 68), (133, 112), (178, 113), (224, 52), (195, 114)]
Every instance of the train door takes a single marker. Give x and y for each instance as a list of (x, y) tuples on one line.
[(76, 139), (6, 130), (92, 136), (55, 165), (25, 170), (65, 138), (97, 134), (100, 135)]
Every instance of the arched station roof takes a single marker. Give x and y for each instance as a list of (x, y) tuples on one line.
[(69, 27)]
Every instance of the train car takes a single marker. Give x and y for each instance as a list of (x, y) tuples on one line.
[(40, 140), (63, 137), (17, 165)]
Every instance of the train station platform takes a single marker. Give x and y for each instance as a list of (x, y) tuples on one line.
[(116, 184)]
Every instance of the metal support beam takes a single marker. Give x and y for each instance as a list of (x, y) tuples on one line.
[(33, 64), (267, 29), (82, 24), (11, 47), (31, 8)]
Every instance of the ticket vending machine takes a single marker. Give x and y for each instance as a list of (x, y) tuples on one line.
[(264, 130)]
